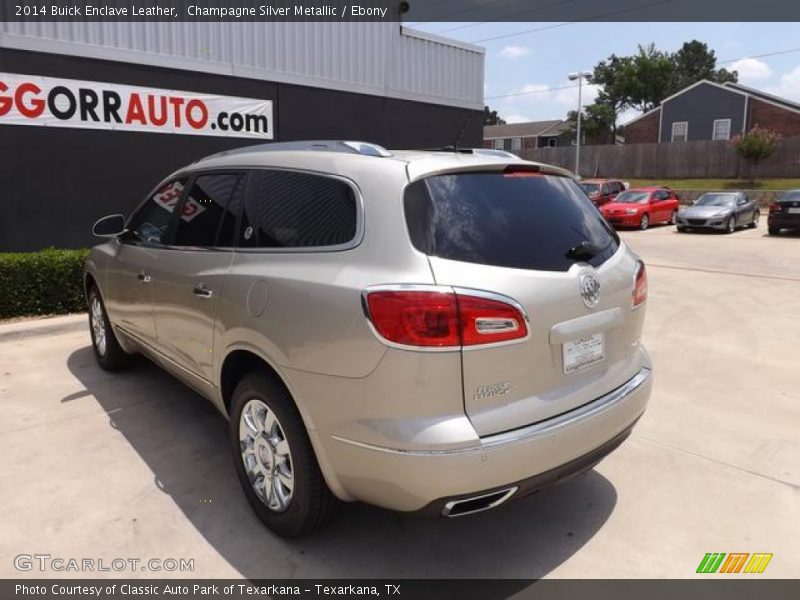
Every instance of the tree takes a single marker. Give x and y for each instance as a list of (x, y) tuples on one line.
[(653, 74), (615, 76), (597, 124), (643, 80), (754, 146), (694, 62), (490, 117)]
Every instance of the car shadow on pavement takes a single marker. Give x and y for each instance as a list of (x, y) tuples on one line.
[(183, 440), (785, 233)]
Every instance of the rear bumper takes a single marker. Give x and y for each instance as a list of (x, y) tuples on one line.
[(536, 483), (530, 458), (784, 221)]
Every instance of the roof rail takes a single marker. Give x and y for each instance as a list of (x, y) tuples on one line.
[(348, 147)]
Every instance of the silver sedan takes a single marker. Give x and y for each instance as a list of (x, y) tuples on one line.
[(724, 211)]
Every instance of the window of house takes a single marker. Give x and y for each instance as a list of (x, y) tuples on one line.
[(551, 142), (680, 131), (498, 144), (298, 210), (516, 144), (722, 129)]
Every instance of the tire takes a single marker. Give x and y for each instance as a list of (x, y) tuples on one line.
[(730, 226), (673, 219), (773, 230), (109, 354), (278, 470), (681, 229), (644, 222), (754, 224)]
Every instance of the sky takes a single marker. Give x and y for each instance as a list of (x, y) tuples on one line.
[(536, 61)]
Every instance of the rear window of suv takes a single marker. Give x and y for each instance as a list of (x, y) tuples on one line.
[(523, 220)]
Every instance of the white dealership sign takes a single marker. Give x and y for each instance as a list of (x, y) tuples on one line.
[(55, 102)]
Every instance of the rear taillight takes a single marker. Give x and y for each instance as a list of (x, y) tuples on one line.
[(775, 208), (443, 317), (415, 318), (486, 320), (640, 284)]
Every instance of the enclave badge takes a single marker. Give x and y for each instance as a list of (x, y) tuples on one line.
[(590, 290)]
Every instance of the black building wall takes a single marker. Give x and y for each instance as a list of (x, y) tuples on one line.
[(56, 182)]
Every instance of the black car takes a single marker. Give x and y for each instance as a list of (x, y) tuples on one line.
[(785, 213)]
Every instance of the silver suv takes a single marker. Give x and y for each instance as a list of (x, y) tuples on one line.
[(422, 331)]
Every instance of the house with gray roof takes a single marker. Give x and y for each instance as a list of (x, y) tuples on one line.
[(712, 111), (515, 137)]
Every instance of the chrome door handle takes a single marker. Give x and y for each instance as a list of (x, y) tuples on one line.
[(201, 290), (143, 277)]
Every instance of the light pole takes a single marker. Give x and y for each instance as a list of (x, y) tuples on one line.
[(572, 77)]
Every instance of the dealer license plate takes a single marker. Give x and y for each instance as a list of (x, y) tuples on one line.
[(583, 352), (794, 211)]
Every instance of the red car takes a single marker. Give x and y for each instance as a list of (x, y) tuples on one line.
[(601, 191), (642, 207)]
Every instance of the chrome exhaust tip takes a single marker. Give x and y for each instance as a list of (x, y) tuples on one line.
[(476, 504)]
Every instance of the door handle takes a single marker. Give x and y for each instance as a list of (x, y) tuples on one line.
[(201, 290), (143, 277)]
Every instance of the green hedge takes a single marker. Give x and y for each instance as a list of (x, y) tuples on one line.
[(41, 283)]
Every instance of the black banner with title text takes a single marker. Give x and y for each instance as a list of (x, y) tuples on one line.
[(408, 11), (405, 589)]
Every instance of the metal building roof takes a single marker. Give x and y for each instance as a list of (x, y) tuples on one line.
[(377, 58)]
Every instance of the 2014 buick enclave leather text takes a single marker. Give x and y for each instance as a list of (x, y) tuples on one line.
[(423, 331)]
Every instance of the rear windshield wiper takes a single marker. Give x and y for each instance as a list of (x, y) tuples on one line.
[(584, 250)]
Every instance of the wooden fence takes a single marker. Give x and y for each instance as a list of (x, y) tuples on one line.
[(688, 160)]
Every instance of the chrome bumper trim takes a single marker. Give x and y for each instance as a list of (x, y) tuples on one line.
[(529, 432)]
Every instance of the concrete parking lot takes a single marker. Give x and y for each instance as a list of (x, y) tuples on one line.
[(137, 465)]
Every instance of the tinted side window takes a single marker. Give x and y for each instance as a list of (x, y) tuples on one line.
[(205, 210), (298, 210), (525, 221), (227, 228), (151, 223)]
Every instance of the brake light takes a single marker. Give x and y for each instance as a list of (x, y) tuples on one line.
[(443, 318), (775, 208), (415, 318), (640, 284)]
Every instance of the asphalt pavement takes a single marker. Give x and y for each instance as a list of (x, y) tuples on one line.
[(135, 465)]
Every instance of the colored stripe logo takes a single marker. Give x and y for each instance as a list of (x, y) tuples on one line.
[(734, 562)]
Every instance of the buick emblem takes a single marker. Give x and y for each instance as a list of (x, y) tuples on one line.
[(590, 290)]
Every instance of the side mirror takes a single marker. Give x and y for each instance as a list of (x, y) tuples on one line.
[(110, 226), (742, 201)]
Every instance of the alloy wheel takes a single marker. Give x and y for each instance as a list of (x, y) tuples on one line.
[(731, 225), (266, 455), (98, 325), (644, 223)]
